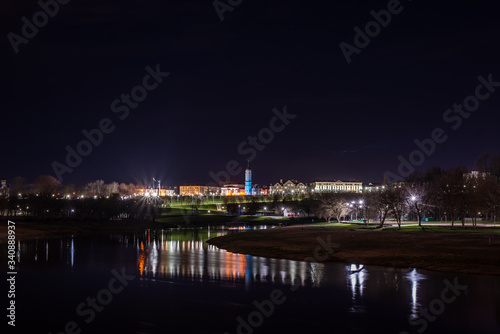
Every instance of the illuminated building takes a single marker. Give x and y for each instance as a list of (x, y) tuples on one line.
[(248, 180), (232, 189), (196, 190), (289, 187), (371, 187), (259, 191), (158, 192), (336, 186)]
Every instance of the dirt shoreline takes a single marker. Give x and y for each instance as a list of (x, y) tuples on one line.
[(466, 253)]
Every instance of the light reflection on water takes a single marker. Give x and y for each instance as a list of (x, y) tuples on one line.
[(183, 255), (414, 278), (165, 255), (197, 259)]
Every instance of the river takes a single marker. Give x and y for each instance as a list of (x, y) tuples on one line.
[(172, 281)]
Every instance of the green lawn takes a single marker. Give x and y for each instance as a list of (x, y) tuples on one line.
[(185, 218), (426, 227)]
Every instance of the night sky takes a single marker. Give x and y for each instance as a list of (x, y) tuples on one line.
[(225, 78)]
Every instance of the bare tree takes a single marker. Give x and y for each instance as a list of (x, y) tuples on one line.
[(95, 188), (46, 185), (132, 188), (452, 196), (17, 186), (123, 189), (418, 200), (110, 188), (488, 194), (397, 199), (332, 205), (379, 203)]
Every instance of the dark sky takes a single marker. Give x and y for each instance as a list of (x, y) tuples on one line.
[(352, 120)]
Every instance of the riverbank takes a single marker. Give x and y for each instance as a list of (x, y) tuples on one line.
[(468, 251), (28, 230)]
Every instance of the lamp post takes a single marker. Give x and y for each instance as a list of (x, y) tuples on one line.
[(413, 199), (361, 202)]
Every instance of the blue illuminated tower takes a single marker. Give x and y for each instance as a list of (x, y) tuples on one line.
[(248, 180)]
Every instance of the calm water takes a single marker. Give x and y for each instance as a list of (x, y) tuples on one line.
[(176, 283)]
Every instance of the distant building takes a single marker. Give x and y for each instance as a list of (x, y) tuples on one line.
[(232, 189), (373, 187), (259, 191), (290, 187), (190, 190), (158, 192), (196, 190), (336, 186), (170, 191), (248, 180)]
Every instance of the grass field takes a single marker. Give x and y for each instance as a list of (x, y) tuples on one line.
[(472, 251)]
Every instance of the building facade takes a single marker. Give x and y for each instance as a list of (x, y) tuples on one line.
[(257, 190), (248, 181), (290, 187), (336, 186), (232, 189), (373, 187), (197, 190)]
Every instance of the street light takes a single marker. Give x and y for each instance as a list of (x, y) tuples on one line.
[(417, 209), (361, 202)]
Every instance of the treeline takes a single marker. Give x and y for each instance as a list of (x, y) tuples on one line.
[(47, 199), (46, 184), (454, 195)]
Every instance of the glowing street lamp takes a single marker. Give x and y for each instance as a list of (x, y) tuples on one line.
[(413, 198)]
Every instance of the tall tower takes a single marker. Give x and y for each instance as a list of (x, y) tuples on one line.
[(248, 180)]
